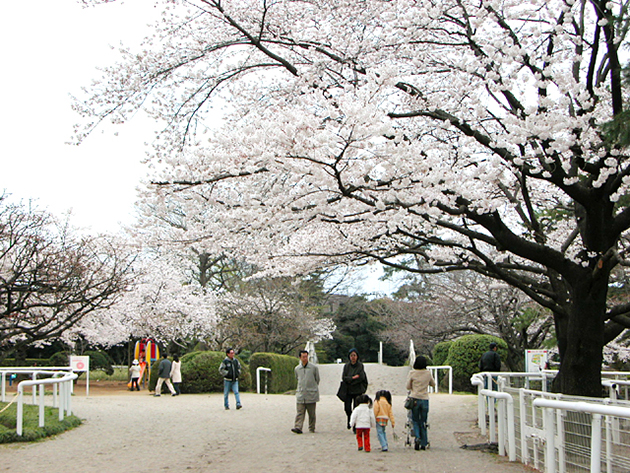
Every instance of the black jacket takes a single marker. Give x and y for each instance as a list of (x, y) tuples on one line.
[(355, 386), (230, 369), (490, 361)]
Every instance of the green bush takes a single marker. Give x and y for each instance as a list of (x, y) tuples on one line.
[(282, 376), (11, 362), (200, 373), (464, 355), (99, 360), (440, 352)]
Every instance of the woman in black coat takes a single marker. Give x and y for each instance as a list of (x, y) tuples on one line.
[(355, 379)]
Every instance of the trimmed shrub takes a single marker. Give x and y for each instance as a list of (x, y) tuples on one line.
[(440, 352), (282, 376), (200, 373), (464, 355), (11, 362)]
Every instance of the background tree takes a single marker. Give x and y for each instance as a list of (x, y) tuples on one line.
[(50, 278), (358, 326), (369, 130), (270, 315), (443, 307)]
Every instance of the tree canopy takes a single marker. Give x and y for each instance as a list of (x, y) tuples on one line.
[(464, 133), (50, 278)]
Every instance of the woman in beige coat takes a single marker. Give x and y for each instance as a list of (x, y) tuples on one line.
[(418, 383)]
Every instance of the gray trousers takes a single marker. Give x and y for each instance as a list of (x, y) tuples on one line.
[(301, 415)]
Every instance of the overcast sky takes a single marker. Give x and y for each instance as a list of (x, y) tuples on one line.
[(49, 49)]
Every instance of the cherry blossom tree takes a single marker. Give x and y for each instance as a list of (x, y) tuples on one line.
[(50, 278), (466, 133)]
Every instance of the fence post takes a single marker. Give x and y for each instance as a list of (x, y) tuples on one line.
[(596, 443), (20, 412), (41, 405), (550, 449)]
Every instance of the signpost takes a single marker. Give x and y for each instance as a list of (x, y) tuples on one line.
[(535, 360), (82, 363)]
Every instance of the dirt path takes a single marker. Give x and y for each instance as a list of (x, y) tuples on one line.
[(135, 432)]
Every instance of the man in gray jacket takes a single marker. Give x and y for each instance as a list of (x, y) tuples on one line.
[(307, 394), (164, 376)]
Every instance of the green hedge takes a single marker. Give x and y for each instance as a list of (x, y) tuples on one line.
[(200, 373), (282, 376), (440, 352), (464, 355), (10, 362)]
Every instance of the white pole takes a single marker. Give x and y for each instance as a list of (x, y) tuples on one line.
[(41, 405), (596, 443)]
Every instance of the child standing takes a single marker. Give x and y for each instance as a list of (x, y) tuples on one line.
[(383, 413), (135, 375), (362, 419)]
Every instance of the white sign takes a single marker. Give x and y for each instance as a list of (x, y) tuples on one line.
[(80, 363), (535, 360)]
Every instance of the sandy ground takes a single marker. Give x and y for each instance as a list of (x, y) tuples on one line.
[(136, 432)]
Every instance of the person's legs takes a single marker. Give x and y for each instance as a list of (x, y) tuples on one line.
[(347, 406), (176, 386), (169, 385), (311, 415), (227, 385), (299, 416), (236, 395), (158, 386), (415, 419), (360, 438), (366, 440), (382, 437), (424, 414)]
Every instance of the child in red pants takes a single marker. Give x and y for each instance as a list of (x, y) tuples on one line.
[(362, 419)]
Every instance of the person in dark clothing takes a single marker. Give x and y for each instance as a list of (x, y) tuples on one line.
[(230, 369), (164, 376), (356, 381), (490, 361)]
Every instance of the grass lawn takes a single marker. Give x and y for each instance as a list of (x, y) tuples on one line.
[(30, 429)]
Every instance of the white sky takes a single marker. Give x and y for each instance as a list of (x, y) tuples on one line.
[(49, 49)]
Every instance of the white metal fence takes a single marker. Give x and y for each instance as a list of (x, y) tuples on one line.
[(60, 381), (555, 432)]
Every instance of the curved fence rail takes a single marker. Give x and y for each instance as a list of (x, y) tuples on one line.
[(61, 380)]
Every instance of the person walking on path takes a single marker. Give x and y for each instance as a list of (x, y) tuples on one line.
[(383, 413), (176, 374), (230, 369), (418, 382), (362, 419), (164, 376), (490, 361), (307, 393), (135, 374), (355, 381)]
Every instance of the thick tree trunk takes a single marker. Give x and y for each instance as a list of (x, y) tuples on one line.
[(581, 339)]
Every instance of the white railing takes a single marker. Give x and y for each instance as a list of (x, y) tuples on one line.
[(64, 383), (34, 371), (553, 429), (435, 372), (258, 370)]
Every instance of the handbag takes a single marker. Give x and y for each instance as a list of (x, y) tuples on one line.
[(342, 392), (409, 402)]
